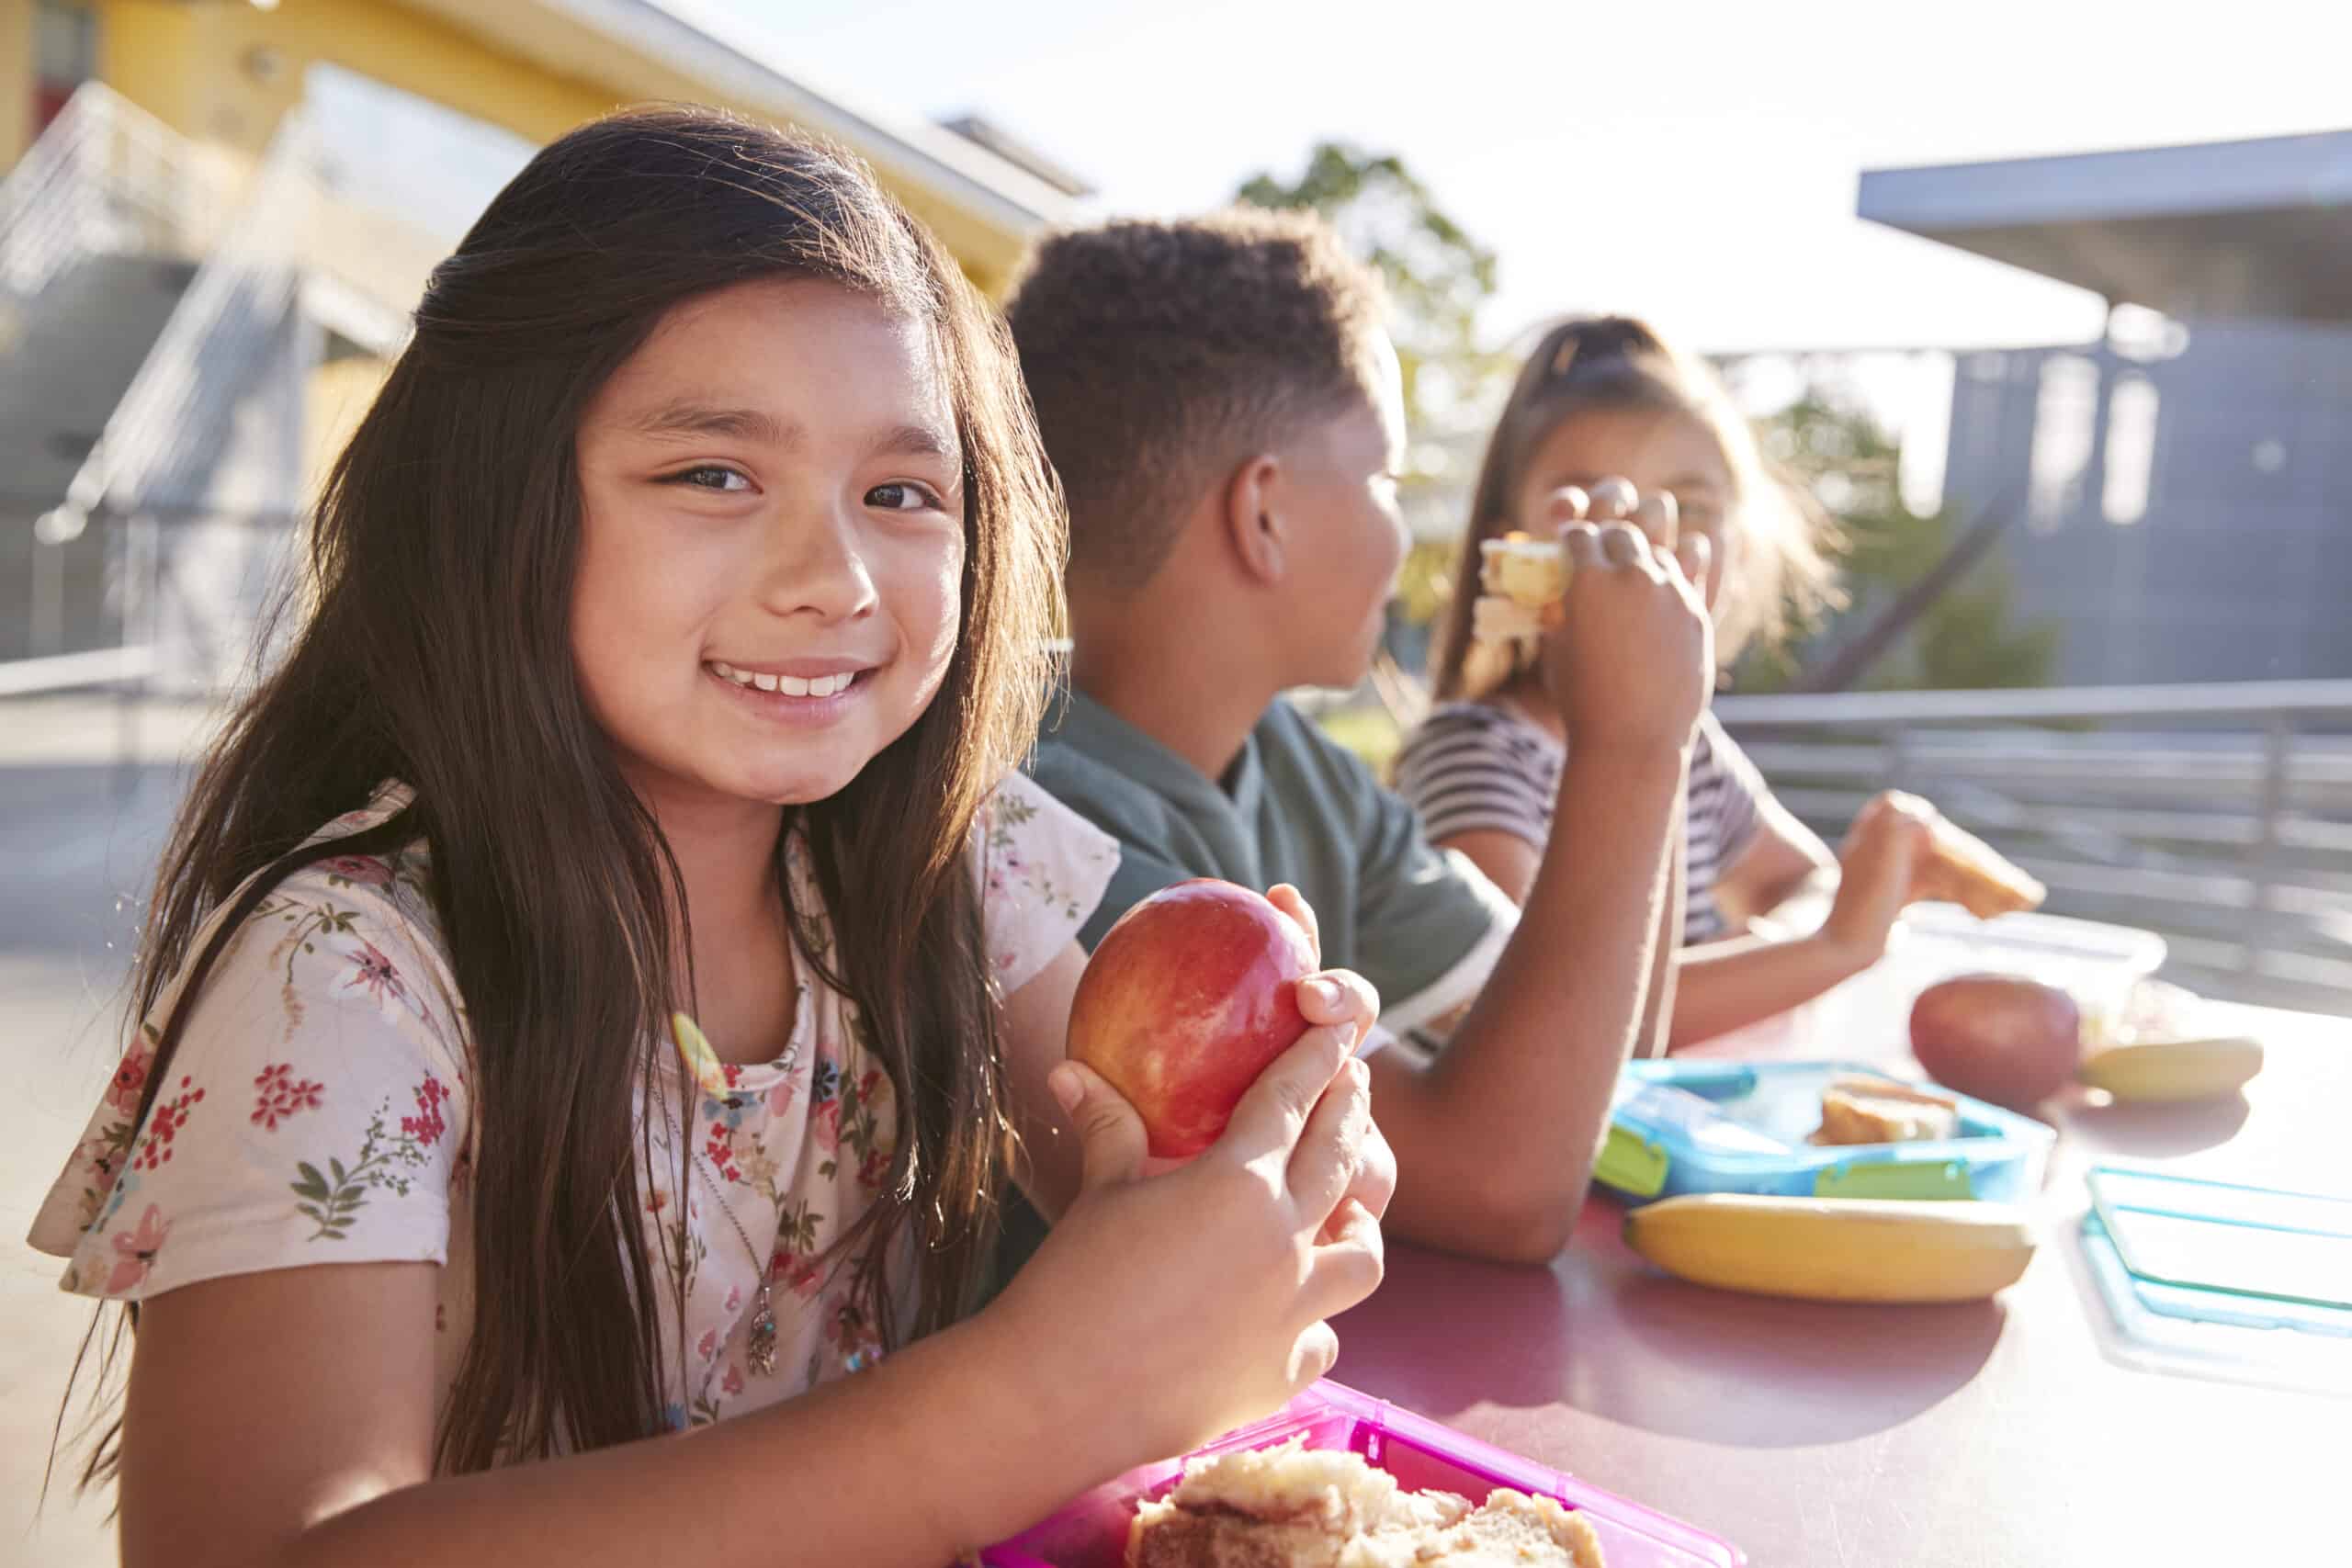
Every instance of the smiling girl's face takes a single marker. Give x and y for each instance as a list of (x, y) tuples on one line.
[(771, 547)]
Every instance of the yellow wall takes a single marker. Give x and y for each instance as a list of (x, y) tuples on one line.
[(16, 79), (225, 71), (336, 397)]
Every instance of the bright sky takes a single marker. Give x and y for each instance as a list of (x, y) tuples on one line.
[(1692, 161)]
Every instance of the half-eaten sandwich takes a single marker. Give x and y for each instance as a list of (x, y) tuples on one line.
[(1294, 1507)]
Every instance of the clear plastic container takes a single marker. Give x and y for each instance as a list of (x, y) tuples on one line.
[(2210, 1278), (1091, 1532), (2096, 963), (1679, 1126)]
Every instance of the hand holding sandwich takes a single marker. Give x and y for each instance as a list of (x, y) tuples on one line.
[(1630, 659), (1901, 851)]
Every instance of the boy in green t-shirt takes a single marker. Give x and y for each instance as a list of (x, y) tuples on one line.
[(1225, 410)]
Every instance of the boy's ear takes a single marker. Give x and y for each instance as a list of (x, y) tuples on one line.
[(1253, 519)]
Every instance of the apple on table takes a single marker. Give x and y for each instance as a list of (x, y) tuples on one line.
[(1998, 1037)]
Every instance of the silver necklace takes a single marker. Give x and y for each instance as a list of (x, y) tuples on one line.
[(759, 1347)]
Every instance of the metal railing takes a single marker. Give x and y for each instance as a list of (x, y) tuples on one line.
[(205, 358), (151, 478), (2218, 815), (150, 469), (104, 178)]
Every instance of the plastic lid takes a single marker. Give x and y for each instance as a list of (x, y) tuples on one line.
[(2234, 1245), (2057, 937), (1421, 1453)]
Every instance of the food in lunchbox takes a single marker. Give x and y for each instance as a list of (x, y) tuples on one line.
[(1185, 1001), (1863, 1109), (1963, 869), (1291, 1506), (1836, 1249), (2012, 1041)]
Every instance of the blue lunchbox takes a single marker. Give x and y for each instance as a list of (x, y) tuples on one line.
[(1704, 1126)]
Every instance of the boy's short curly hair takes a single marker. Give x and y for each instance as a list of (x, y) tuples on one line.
[(1160, 355)]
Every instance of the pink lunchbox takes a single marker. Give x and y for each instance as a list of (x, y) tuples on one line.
[(1092, 1531)]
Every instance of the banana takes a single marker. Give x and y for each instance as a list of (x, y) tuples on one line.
[(1836, 1249), (2165, 1070)]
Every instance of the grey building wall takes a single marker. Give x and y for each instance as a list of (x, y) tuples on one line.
[(2240, 565)]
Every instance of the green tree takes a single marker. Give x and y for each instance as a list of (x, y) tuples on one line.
[(1439, 277), (1966, 640)]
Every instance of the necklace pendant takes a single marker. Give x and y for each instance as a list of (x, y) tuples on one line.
[(759, 1348)]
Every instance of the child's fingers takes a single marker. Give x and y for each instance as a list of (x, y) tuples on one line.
[(1370, 1192), (1694, 553), (1267, 1124), (1375, 1181), (1582, 543), (1353, 1224), (1292, 902), (1912, 847), (1110, 1138), (1347, 1267), (1613, 498), (1914, 806), (1312, 1356), (1659, 517), (1340, 996), (1565, 504), (1329, 1150), (1621, 545)]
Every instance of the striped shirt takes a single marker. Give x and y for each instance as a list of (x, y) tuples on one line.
[(1470, 767)]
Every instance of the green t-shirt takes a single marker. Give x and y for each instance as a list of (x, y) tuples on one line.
[(1422, 925)]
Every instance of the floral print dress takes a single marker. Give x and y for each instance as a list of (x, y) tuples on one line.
[(319, 1111)]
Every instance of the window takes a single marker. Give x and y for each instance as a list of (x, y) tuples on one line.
[(2066, 407), (2130, 449), (1926, 432)]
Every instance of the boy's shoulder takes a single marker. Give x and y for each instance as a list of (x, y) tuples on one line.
[(1293, 749), (1088, 772), (1128, 783)]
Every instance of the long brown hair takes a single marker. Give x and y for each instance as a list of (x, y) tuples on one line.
[(1780, 572), (436, 649)]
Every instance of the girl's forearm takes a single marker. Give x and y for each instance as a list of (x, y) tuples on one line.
[(1730, 985), (942, 1448)]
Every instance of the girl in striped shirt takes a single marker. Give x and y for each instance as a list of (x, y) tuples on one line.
[(1605, 402)]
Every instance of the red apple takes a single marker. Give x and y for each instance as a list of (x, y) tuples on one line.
[(2000, 1038), (1185, 1001)]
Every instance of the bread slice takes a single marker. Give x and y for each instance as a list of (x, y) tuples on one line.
[(1498, 623), (1523, 569), (1857, 1109), (1509, 1529), (1969, 872), (1506, 637), (1290, 1506), (1523, 580)]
